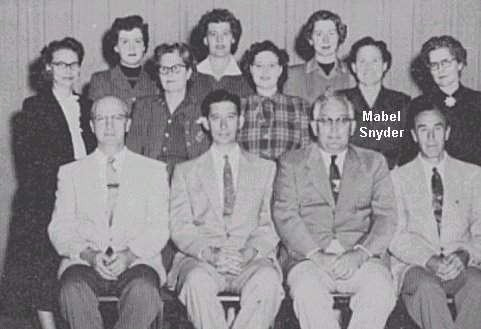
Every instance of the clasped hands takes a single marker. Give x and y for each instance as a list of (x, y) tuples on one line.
[(340, 267), (109, 265), (450, 266), (227, 260)]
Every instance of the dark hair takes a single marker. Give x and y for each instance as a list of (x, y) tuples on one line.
[(46, 55), (216, 15), (169, 48), (424, 104), (250, 55), (111, 38), (445, 41), (217, 96), (303, 47), (369, 41)]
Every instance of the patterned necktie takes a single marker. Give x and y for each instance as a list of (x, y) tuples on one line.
[(113, 187), (437, 189), (229, 192), (334, 177)]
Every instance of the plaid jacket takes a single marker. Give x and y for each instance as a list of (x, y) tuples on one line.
[(274, 125)]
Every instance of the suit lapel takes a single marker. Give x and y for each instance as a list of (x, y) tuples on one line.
[(209, 183), (348, 178), (317, 172), (97, 191), (125, 187), (243, 185)]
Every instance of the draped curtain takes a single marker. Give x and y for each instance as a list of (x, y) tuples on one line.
[(28, 25)]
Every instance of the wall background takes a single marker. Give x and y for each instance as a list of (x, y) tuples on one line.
[(28, 25)]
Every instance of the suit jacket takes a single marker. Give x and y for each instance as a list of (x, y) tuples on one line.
[(309, 81), (307, 217), (114, 83), (389, 101), (196, 219), (81, 215), (416, 238)]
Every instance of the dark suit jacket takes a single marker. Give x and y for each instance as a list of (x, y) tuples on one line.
[(307, 217), (114, 83), (389, 101)]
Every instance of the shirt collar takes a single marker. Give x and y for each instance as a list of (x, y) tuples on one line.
[(232, 153), (119, 158), (428, 167), (341, 156), (231, 69)]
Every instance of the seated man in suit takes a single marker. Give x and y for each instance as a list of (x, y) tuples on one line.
[(437, 246), (110, 223), (221, 223), (335, 212)]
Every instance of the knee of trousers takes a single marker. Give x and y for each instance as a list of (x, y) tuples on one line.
[(144, 292), (267, 282), (310, 290), (429, 287), (71, 289), (200, 281), (379, 288)]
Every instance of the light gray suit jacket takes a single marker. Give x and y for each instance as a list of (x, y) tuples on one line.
[(307, 217), (81, 216), (196, 219), (416, 238)]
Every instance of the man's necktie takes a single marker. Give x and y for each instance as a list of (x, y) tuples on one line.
[(334, 177), (437, 189), (113, 187), (229, 192)]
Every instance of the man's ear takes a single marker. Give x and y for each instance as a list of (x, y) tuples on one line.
[(314, 127), (241, 122), (127, 125), (414, 136), (116, 49), (204, 40), (448, 132), (353, 127), (92, 126)]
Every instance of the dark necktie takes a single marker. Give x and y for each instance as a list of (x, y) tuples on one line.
[(334, 177), (229, 192), (113, 187), (437, 189)]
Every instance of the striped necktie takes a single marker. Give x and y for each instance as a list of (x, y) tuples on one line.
[(229, 192), (438, 191)]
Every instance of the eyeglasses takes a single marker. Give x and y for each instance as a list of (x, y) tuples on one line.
[(63, 66), (164, 70), (445, 63), (328, 122), (105, 118)]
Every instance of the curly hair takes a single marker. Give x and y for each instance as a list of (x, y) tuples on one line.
[(445, 41), (250, 55), (369, 41), (303, 47), (217, 15), (44, 75), (111, 38)]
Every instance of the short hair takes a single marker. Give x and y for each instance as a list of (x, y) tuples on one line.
[(303, 47), (445, 41), (218, 15), (217, 96), (170, 48), (46, 55), (125, 108), (421, 105), (369, 41), (127, 23), (258, 47), (328, 96)]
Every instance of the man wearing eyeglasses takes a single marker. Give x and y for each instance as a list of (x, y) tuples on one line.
[(335, 212), (109, 224), (445, 58)]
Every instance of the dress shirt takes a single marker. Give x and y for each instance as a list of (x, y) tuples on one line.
[(231, 69), (428, 169), (118, 163), (341, 156), (71, 110), (219, 163), (270, 134)]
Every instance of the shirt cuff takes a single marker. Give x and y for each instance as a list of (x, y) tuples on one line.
[(312, 252), (361, 247)]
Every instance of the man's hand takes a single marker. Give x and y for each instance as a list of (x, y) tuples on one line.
[(348, 263), (98, 260), (225, 261), (325, 261), (453, 265), (120, 261)]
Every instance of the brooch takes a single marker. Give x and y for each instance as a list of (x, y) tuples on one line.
[(450, 101)]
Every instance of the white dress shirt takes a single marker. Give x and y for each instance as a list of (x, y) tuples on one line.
[(428, 169), (71, 110)]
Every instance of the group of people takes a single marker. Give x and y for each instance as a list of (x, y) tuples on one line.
[(259, 175)]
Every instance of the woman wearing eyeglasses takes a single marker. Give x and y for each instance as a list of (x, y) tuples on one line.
[(52, 129), (445, 58), (164, 127)]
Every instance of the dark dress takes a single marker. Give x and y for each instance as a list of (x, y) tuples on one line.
[(389, 101), (464, 116), (41, 144)]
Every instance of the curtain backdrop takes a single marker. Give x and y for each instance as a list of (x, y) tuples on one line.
[(27, 25)]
